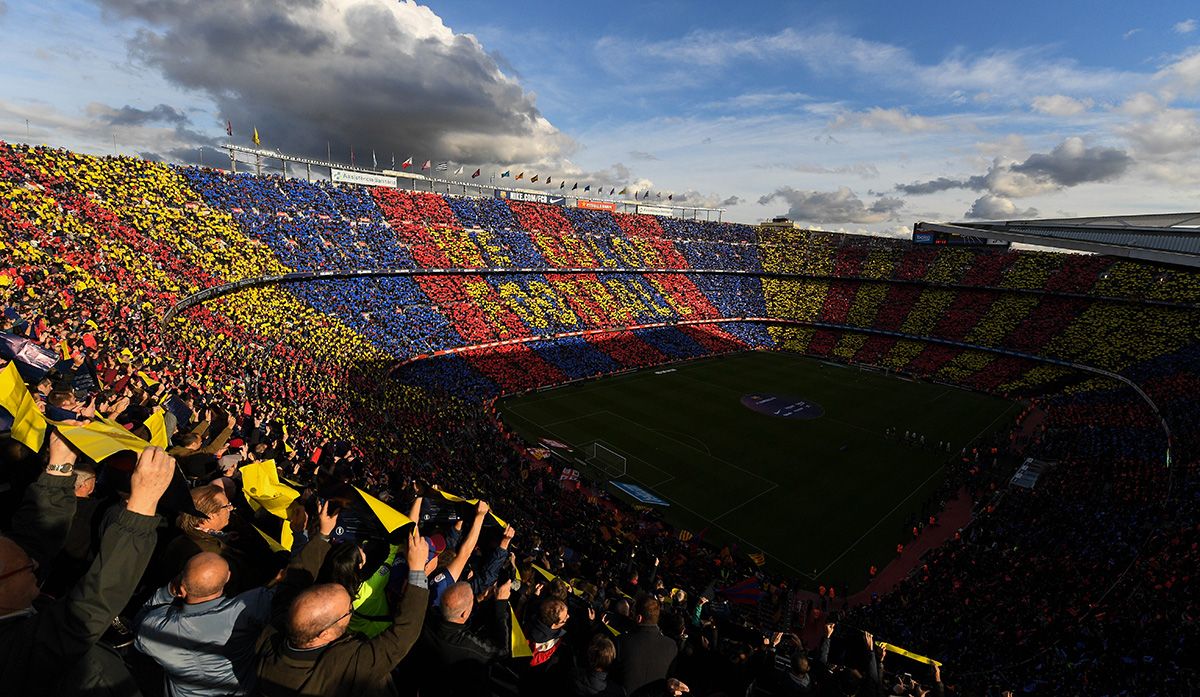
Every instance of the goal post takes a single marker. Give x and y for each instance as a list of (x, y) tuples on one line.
[(604, 458)]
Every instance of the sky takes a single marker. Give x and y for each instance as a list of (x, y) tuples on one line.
[(851, 116)]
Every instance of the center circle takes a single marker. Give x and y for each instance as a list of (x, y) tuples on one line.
[(782, 406)]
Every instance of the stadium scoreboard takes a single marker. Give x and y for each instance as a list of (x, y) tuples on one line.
[(923, 234)]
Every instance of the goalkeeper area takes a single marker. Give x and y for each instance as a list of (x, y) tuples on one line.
[(777, 453)]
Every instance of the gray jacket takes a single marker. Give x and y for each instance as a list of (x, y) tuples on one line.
[(206, 649)]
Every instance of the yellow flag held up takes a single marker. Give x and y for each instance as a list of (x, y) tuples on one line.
[(101, 438), (260, 483), (158, 429), (146, 379), (29, 426), (458, 499), (518, 644), (908, 654), (391, 518), (284, 545), (550, 577), (256, 140), (65, 349)]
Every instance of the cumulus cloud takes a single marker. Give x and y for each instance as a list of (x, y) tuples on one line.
[(1187, 26), (372, 73), (696, 198), (1181, 77), (133, 116), (889, 121), (1139, 104), (161, 129), (1167, 144), (833, 207), (1060, 105), (992, 207), (1070, 163)]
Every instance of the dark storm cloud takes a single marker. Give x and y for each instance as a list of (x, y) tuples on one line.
[(368, 73)]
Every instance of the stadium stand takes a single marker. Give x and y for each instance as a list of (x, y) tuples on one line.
[(310, 422)]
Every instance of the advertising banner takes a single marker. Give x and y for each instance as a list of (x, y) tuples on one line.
[(345, 176), (596, 205), (640, 494), (655, 210), (530, 196)]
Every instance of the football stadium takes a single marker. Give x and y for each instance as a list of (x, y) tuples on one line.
[(282, 423)]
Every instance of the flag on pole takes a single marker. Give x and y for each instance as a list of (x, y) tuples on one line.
[(505, 173), (671, 197), (393, 160), (624, 190), (407, 163), (520, 176), (547, 180), (374, 162), (351, 155), (563, 185), (476, 174), (612, 190), (458, 171), (229, 129), (588, 187), (443, 166), (575, 186), (256, 140), (534, 178), (425, 167)]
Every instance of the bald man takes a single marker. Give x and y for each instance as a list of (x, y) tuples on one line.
[(204, 641), (306, 650), (451, 659), (52, 649)]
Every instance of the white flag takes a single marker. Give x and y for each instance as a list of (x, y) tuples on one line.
[(459, 170)]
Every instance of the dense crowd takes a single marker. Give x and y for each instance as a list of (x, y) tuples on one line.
[(164, 568)]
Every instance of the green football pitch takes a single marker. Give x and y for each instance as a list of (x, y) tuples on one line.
[(822, 498)]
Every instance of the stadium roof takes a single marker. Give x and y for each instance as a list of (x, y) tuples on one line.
[(1170, 238)]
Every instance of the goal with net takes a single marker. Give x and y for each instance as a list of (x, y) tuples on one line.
[(604, 458)]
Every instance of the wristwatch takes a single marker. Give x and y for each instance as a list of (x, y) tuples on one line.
[(61, 469)]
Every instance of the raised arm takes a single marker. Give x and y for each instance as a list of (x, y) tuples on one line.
[(467, 548), (391, 646), (41, 524), (125, 550)]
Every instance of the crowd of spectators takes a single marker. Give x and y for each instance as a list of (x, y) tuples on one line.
[(162, 571)]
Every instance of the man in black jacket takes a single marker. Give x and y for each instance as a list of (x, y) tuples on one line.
[(453, 659), (645, 655), (50, 648)]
